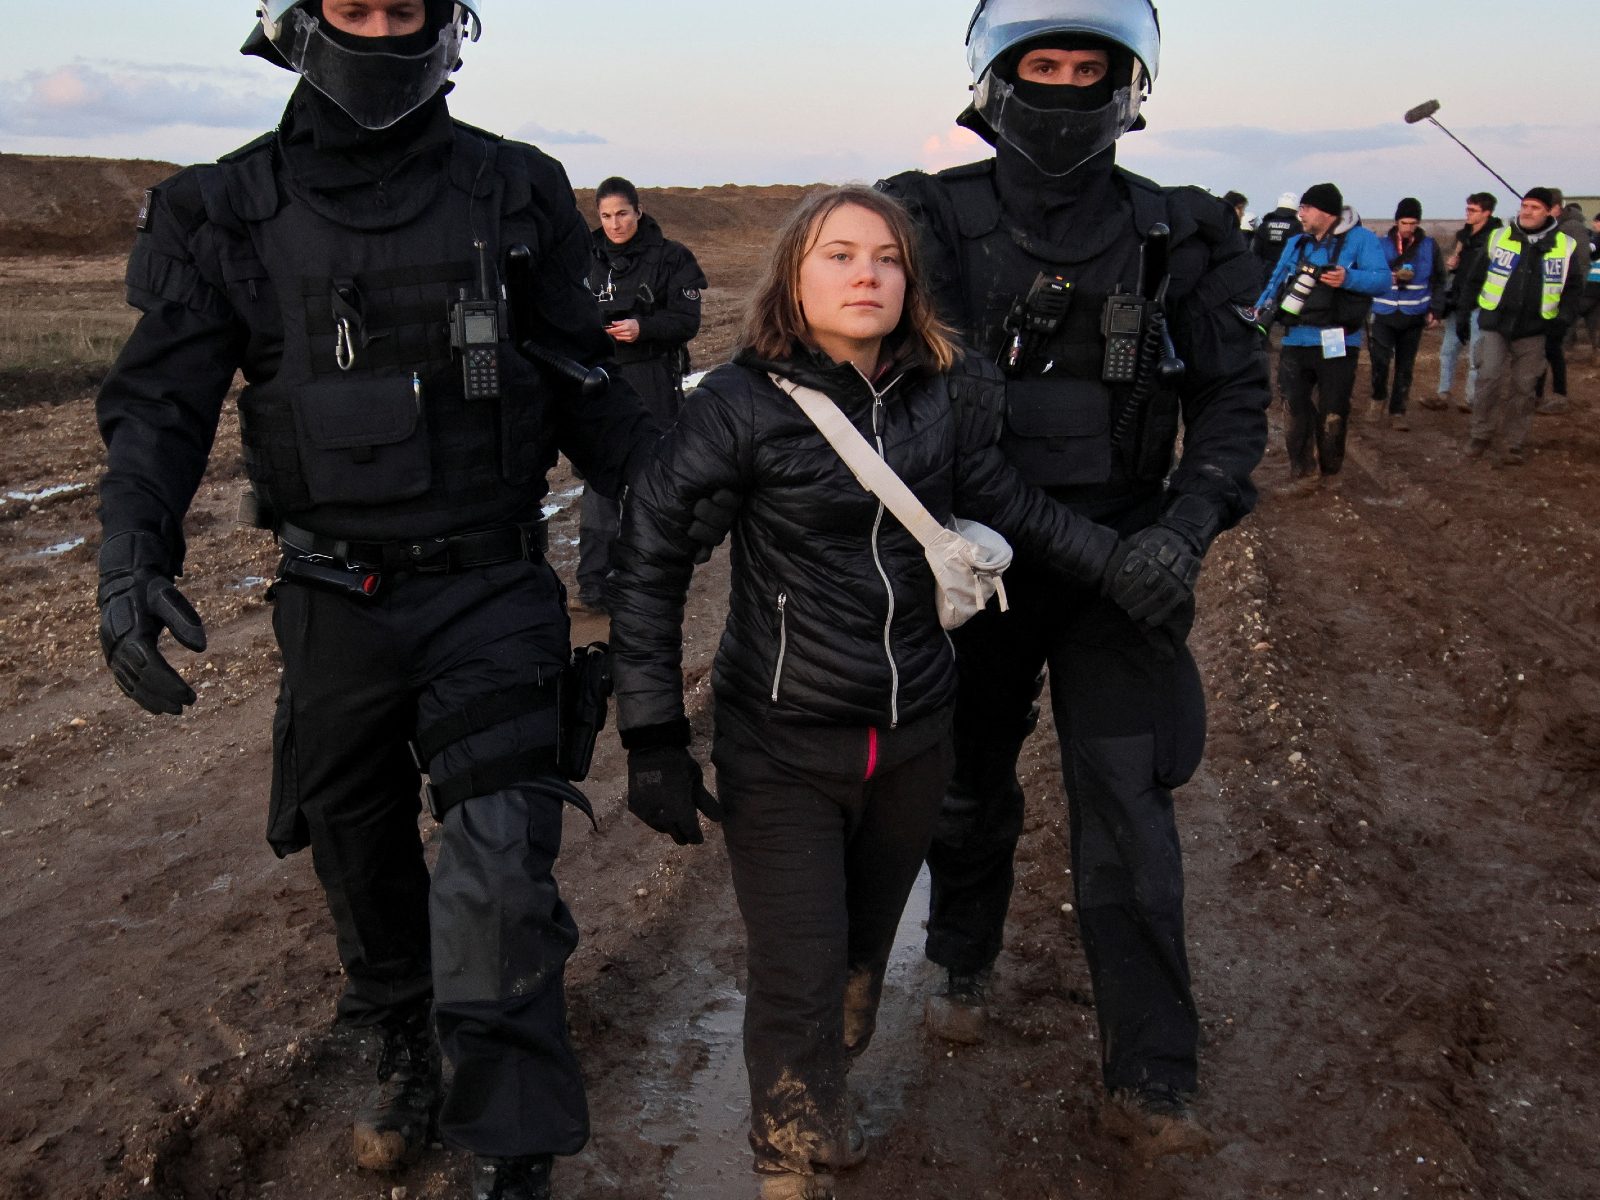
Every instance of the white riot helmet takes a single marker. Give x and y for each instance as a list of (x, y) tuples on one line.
[(376, 86), (1059, 138)]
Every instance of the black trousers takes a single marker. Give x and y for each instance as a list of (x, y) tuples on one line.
[(1130, 716), (1315, 427), (1395, 339), (487, 942), (822, 866)]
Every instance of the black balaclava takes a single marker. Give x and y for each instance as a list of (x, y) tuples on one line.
[(1080, 213)]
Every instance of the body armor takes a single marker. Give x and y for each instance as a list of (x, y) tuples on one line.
[(364, 429)]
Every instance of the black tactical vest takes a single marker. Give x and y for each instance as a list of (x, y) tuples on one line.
[(364, 431), (1060, 417)]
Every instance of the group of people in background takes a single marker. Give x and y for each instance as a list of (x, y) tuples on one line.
[(1513, 296)]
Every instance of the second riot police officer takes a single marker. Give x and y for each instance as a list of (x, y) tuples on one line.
[(371, 267), (649, 290), (1113, 306)]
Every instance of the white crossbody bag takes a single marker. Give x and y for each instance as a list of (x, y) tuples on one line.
[(967, 558)]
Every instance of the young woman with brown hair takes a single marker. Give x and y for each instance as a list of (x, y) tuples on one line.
[(834, 681)]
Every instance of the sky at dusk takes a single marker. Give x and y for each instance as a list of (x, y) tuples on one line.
[(1265, 98)]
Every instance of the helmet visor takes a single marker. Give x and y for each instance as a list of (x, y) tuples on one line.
[(1057, 140), (375, 89)]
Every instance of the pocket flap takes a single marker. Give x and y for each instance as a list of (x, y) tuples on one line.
[(345, 414), (1047, 408)]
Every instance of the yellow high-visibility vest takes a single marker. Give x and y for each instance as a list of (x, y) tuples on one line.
[(1505, 251)]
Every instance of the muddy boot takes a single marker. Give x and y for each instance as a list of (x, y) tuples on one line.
[(1512, 457), (1476, 447), (511, 1178), (1435, 403), (1155, 1123), (851, 1151), (395, 1126), (1399, 424), (959, 1013), (790, 1186), (1551, 406)]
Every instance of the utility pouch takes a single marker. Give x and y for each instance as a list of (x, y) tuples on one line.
[(582, 691), (1058, 431), (363, 441)]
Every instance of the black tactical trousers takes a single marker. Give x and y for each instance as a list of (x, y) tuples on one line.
[(822, 866), (1395, 340), (488, 941), (1315, 428), (1130, 716)]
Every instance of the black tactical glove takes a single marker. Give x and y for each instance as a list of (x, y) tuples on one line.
[(1151, 575), (713, 517), (137, 601), (1194, 519), (665, 788)]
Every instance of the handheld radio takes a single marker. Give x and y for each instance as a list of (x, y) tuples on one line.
[(475, 330)]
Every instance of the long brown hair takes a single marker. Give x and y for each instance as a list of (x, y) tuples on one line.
[(775, 322)]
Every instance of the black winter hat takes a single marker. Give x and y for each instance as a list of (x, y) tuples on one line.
[(1324, 197), (1541, 195), (1409, 207)]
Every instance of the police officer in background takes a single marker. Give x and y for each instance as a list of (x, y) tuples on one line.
[(649, 292), (1087, 285), (1274, 232), (351, 265)]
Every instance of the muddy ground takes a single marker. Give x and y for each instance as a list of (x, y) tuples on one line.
[(1393, 877)]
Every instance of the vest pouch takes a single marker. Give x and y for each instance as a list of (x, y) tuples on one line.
[(1158, 437), (1058, 431), (362, 441)]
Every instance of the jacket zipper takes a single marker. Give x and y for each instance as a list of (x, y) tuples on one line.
[(888, 620), (783, 642)]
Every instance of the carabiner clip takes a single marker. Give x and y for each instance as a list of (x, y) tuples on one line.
[(344, 350)]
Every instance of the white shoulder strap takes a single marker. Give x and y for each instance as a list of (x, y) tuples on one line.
[(864, 462)]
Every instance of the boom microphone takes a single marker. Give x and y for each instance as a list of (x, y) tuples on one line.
[(1425, 111)]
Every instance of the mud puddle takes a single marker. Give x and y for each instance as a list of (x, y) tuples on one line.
[(700, 1112)]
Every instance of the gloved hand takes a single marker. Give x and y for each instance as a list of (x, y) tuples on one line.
[(1151, 575), (713, 517), (137, 601), (665, 788)]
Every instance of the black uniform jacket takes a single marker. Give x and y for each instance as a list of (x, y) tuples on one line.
[(206, 318), (673, 276), (1224, 391), (832, 617)]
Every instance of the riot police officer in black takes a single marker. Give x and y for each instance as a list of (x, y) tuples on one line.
[(649, 291), (1115, 307), (354, 266)]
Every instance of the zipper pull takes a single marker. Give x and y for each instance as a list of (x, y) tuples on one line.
[(416, 390)]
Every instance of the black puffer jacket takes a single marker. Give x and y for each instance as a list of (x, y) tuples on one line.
[(832, 616)]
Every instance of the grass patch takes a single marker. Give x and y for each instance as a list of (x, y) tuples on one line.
[(39, 341)]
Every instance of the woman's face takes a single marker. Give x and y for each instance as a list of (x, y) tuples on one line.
[(852, 283)]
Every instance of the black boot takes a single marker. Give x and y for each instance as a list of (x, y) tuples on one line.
[(511, 1178), (395, 1126)]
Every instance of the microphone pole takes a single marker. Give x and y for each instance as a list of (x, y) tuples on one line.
[(1424, 112)]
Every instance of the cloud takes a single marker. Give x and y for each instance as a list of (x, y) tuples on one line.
[(951, 149), (539, 135), (83, 100), (1283, 147)]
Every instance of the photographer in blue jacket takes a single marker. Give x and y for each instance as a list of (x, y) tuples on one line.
[(1322, 288)]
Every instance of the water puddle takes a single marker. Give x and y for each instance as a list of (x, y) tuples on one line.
[(58, 489), (706, 1116), (561, 500), (59, 548)]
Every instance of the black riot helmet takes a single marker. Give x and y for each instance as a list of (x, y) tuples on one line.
[(375, 81), (1054, 128)]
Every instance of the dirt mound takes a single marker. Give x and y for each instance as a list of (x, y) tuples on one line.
[(71, 205)]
